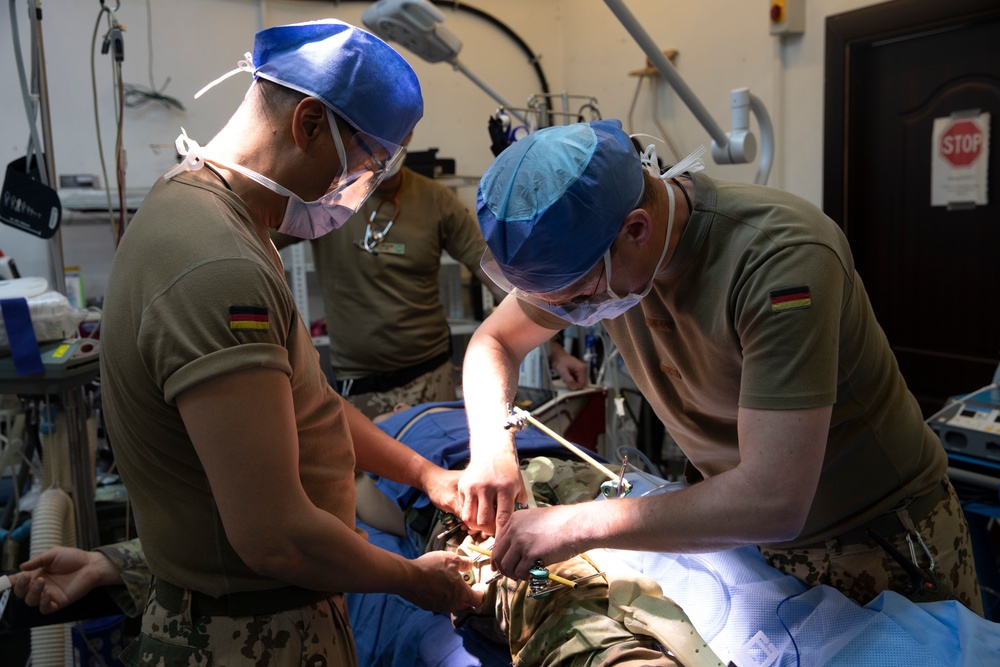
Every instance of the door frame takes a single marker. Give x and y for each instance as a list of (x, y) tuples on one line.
[(861, 28)]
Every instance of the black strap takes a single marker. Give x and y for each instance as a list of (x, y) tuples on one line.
[(378, 382), (250, 603)]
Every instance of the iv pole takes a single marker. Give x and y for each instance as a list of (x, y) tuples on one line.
[(737, 147), (42, 149)]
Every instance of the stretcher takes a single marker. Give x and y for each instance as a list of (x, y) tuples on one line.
[(750, 614)]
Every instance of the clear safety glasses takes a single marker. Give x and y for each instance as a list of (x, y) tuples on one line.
[(366, 161), (579, 309)]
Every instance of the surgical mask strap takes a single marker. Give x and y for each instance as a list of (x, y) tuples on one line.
[(257, 178), (191, 152), (245, 65), (337, 139), (651, 163), (666, 245)]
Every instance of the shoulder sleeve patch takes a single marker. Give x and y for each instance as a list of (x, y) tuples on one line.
[(248, 317), (791, 298)]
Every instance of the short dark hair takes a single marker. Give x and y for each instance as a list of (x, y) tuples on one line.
[(277, 96)]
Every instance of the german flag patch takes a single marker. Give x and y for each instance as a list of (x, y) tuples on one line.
[(242, 318), (792, 298)]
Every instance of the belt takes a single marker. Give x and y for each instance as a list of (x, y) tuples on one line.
[(889, 524), (250, 603), (389, 380)]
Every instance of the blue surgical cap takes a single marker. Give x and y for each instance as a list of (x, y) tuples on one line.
[(354, 72), (551, 204)]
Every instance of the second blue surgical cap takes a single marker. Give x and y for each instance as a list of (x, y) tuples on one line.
[(355, 73), (552, 203)]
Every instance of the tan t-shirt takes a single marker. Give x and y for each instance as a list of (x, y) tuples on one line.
[(384, 311), (761, 307), (194, 294)]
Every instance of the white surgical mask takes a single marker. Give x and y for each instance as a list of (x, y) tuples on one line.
[(312, 219), (302, 219)]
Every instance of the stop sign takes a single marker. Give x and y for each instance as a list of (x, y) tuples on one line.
[(962, 143)]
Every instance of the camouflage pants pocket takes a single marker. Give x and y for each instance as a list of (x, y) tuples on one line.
[(939, 543), (145, 651), (316, 635), (434, 386)]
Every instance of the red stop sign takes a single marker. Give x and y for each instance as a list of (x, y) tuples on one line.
[(962, 143)]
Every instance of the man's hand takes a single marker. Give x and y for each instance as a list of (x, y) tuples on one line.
[(439, 587), (546, 534), (62, 575), (488, 489), (441, 486), (571, 370)]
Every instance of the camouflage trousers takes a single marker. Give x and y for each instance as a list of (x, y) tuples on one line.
[(317, 635), (863, 570), (618, 619), (431, 387)]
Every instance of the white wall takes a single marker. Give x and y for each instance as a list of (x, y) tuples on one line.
[(722, 44)]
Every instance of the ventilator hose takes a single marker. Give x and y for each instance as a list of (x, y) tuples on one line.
[(52, 524)]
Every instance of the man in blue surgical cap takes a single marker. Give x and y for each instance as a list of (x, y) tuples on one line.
[(741, 319), (238, 457)]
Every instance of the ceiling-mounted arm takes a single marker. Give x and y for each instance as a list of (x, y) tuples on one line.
[(737, 147)]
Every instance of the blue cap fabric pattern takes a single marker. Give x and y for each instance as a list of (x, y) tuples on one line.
[(354, 72), (552, 203)]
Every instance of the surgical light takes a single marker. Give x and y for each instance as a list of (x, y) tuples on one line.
[(416, 25)]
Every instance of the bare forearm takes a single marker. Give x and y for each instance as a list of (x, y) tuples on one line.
[(490, 375), (378, 453), (720, 513), (317, 551)]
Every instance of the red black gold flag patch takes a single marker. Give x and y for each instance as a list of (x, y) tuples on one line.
[(791, 298), (248, 317)]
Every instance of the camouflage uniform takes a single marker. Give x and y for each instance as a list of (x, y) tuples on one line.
[(619, 619), (862, 570), (130, 562), (436, 386), (317, 635)]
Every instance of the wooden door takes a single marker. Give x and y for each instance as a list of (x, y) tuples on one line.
[(933, 274)]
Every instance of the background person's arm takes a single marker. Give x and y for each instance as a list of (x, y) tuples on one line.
[(243, 429)]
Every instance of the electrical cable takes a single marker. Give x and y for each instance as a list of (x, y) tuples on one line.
[(97, 120), (533, 59), (777, 610), (137, 96)]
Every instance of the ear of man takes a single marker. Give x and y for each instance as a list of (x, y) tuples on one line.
[(309, 123)]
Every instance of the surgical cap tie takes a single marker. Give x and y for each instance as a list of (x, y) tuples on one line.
[(191, 152), (245, 65)]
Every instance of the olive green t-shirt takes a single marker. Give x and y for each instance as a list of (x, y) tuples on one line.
[(761, 307), (195, 294), (384, 310)]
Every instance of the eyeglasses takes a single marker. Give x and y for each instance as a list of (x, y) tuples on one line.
[(368, 160), (375, 234)]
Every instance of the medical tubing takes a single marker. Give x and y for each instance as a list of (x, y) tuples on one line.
[(777, 610), (52, 524), (766, 139)]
